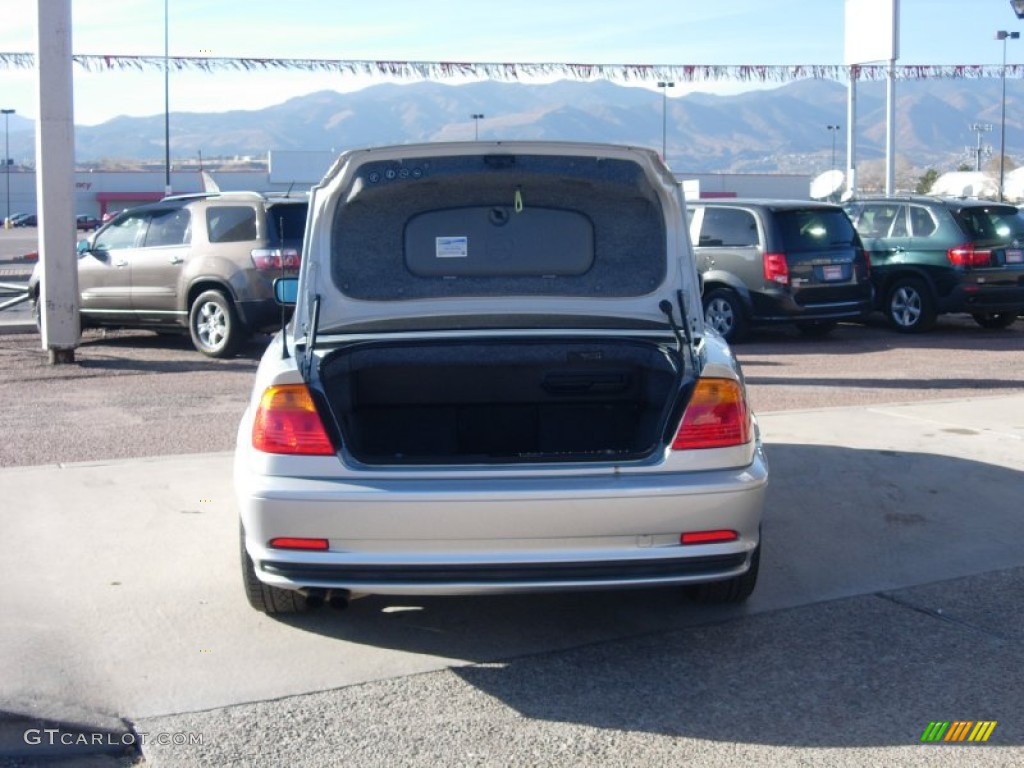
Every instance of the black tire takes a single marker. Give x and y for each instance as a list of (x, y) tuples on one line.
[(214, 325), (723, 311), (734, 590), (995, 320), (816, 329), (264, 598), (909, 306)]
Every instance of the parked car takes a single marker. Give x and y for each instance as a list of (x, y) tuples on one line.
[(775, 261), (200, 263), (934, 255), (28, 220), (496, 380), (13, 219), (86, 222)]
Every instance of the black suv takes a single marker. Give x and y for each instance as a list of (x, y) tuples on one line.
[(931, 255), (771, 261), (201, 263)]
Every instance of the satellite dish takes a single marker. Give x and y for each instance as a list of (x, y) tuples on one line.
[(827, 184)]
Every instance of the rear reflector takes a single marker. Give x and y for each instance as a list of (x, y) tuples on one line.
[(716, 417), (967, 255), (276, 258), (287, 422), (776, 270), (708, 537), (285, 542)]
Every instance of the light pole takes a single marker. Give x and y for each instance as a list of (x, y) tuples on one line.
[(1003, 35), (664, 85), (167, 104), (7, 162), (477, 117), (833, 129)]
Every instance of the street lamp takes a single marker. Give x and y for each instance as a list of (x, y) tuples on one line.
[(477, 117), (664, 85), (1018, 8), (833, 129), (167, 104), (7, 162), (1003, 35)]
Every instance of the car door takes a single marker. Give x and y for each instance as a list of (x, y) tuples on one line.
[(156, 266), (883, 230), (104, 268)]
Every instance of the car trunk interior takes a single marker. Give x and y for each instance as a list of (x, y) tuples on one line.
[(501, 401)]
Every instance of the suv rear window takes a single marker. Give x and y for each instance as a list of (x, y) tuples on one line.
[(999, 224), (814, 229), (286, 224), (231, 223)]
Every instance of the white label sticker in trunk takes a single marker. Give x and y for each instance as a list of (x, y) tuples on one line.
[(451, 247)]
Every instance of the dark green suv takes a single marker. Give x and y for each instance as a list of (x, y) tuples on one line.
[(933, 255)]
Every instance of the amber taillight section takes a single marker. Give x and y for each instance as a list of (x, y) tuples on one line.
[(287, 422)]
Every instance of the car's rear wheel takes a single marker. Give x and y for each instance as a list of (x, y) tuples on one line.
[(734, 590), (909, 306), (214, 325), (263, 597), (723, 312), (994, 320), (815, 329)]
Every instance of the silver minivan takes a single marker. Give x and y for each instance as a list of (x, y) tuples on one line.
[(496, 379)]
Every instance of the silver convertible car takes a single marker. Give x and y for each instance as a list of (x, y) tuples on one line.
[(496, 379)]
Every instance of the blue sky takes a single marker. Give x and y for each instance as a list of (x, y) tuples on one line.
[(595, 31)]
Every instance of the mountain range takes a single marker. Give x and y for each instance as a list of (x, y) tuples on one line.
[(775, 130)]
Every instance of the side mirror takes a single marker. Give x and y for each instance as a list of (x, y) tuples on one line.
[(286, 291), (83, 247)]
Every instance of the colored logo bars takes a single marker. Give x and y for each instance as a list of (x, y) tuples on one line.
[(959, 730)]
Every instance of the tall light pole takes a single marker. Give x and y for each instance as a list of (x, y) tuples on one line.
[(7, 162), (833, 129), (664, 85), (167, 103), (1003, 35), (477, 117)]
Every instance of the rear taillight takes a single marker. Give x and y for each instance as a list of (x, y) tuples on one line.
[(287, 422), (776, 270), (276, 258), (716, 417), (968, 256), (867, 263)]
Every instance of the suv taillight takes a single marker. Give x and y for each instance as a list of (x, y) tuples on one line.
[(776, 270), (867, 263), (968, 256), (716, 417), (287, 422), (276, 258)]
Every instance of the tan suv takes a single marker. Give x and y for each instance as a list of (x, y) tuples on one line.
[(201, 262)]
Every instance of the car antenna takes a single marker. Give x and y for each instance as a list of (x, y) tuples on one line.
[(666, 306), (681, 301), (284, 314)]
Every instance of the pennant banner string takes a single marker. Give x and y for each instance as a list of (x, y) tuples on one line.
[(513, 71)]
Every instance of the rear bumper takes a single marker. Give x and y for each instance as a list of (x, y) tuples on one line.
[(783, 308), (983, 298), (512, 535)]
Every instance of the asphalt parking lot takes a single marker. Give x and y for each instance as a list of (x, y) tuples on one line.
[(890, 596)]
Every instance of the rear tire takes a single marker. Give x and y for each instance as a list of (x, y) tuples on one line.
[(214, 325), (263, 597), (723, 311), (995, 320), (734, 590), (909, 306)]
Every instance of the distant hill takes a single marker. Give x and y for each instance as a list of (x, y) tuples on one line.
[(775, 130)]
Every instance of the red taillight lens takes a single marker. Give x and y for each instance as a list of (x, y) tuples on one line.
[(776, 270), (708, 537), (968, 256), (867, 263), (276, 258), (289, 542), (287, 422), (716, 417)]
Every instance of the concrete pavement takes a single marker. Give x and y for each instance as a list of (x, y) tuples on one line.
[(890, 597)]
